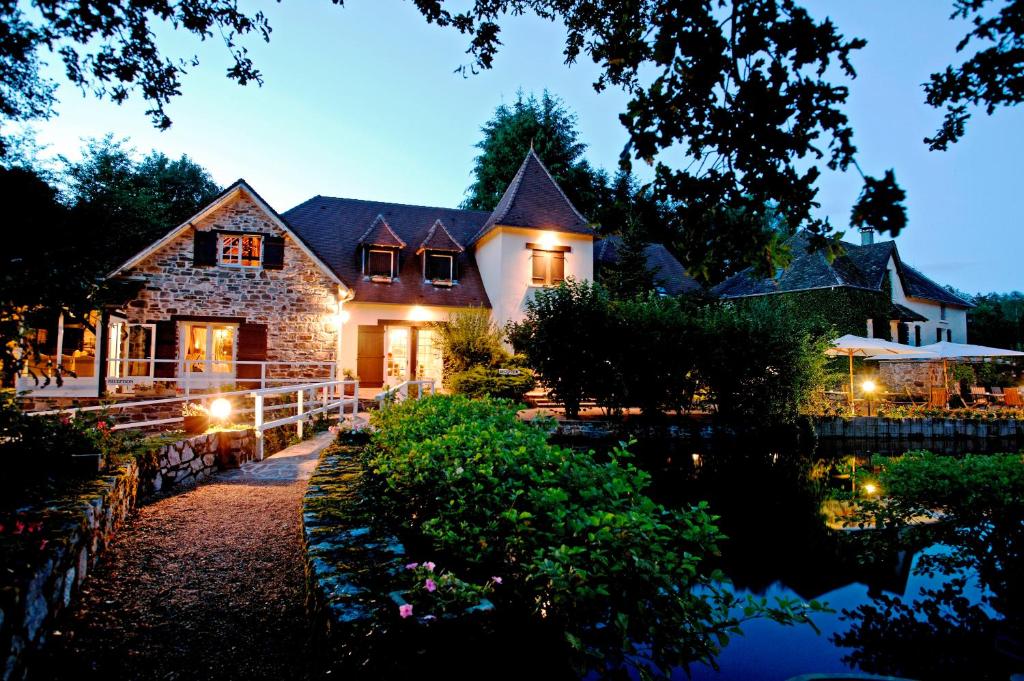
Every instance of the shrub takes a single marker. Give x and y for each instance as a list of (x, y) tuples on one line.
[(469, 338), (575, 540), (507, 382)]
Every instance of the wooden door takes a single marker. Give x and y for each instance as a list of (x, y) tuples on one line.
[(370, 356)]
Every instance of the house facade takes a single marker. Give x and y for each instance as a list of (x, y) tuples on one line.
[(242, 295), (908, 307)]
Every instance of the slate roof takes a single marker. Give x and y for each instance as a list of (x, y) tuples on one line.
[(334, 227), (440, 239), (669, 273), (862, 267), (534, 199), (381, 234)]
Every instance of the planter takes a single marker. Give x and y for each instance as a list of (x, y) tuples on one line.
[(196, 424), (398, 597), (86, 465), (350, 390)]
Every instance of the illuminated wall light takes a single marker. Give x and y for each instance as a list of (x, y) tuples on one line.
[(547, 239), (419, 314)]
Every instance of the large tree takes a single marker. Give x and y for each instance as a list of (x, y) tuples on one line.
[(992, 77), (736, 103)]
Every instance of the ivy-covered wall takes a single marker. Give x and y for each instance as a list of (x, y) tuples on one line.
[(844, 309)]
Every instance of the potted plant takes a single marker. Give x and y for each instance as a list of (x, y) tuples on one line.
[(196, 418), (349, 375)]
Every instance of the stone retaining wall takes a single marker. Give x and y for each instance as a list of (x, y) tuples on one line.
[(924, 428), (343, 553), (47, 568), (42, 585)]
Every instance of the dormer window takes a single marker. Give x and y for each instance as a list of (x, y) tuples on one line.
[(548, 264), (240, 250), (440, 267), (380, 263)]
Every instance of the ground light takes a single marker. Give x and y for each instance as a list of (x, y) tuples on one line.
[(869, 387), (220, 409), (870, 488)]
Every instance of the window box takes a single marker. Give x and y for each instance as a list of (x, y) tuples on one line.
[(381, 278)]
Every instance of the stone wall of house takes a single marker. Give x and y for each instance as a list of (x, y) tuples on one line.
[(919, 377), (298, 304), (42, 582)]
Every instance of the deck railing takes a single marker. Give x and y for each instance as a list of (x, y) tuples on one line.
[(321, 397), (402, 391)]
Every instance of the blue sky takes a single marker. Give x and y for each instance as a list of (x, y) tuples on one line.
[(362, 101)]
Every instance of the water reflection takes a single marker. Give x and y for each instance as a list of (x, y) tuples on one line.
[(936, 604)]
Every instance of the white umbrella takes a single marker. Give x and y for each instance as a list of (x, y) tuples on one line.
[(851, 345), (947, 350)]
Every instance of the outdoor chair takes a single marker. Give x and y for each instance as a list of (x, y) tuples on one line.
[(939, 398), (998, 396), (979, 398), (1012, 397)]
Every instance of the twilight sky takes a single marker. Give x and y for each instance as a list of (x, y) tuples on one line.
[(362, 102)]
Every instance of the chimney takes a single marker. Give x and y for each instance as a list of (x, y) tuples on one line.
[(867, 236)]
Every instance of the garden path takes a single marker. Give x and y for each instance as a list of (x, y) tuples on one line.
[(202, 584)]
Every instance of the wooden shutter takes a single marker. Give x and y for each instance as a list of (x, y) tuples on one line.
[(166, 348), (557, 267), (540, 267), (252, 347), (204, 249), (273, 252)]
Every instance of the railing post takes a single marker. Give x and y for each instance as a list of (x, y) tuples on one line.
[(298, 424), (258, 426), (341, 403), (263, 375)]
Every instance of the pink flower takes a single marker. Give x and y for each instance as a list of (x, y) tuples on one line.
[(496, 580), (430, 585), (43, 543), (429, 566), (19, 527), (405, 610), (412, 566)]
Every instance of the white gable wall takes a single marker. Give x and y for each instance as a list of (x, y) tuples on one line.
[(956, 317), (506, 268)]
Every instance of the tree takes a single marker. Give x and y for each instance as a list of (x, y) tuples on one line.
[(110, 49), (997, 320), (629, 275), (731, 100), (990, 77), (122, 203)]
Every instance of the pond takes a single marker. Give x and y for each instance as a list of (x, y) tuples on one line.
[(778, 546)]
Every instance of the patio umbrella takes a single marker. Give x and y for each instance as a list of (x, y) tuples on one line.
[(850, 345), (947, 350)]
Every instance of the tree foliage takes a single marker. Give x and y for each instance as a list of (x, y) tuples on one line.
[(997, 320), (990, 77), (733, 101), (110, 49)]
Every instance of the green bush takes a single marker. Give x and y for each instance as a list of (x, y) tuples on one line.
[(574, 540), (469, 338), (480, 381)]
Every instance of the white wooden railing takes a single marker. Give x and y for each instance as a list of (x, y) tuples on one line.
[(401, 391), (332, 397), (328, 396)]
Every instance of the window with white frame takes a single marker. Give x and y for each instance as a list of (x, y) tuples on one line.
[(380, 263), (439, 267), (240, 250)]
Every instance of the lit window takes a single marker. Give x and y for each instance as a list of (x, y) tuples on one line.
[(548, 267), (240, 250), (439, 267), (380, 263)]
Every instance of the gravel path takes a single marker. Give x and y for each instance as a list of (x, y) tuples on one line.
[(205, 584)]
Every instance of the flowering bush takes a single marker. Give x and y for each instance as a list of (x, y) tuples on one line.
[(576, 540), (906, 411), (435, 593)]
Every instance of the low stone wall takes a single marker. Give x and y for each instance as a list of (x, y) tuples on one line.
[(48, 566), (347, 559), (189, 461), (44, 579), (923, 428)]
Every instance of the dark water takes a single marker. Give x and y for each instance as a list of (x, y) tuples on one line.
[(769, 500)]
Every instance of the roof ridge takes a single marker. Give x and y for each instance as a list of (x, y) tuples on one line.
[(393, 203)]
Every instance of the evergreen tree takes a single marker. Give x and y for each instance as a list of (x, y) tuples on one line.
[(629, 275)]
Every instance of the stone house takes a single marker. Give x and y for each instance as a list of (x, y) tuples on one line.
[(911, 308), (241, 294)]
